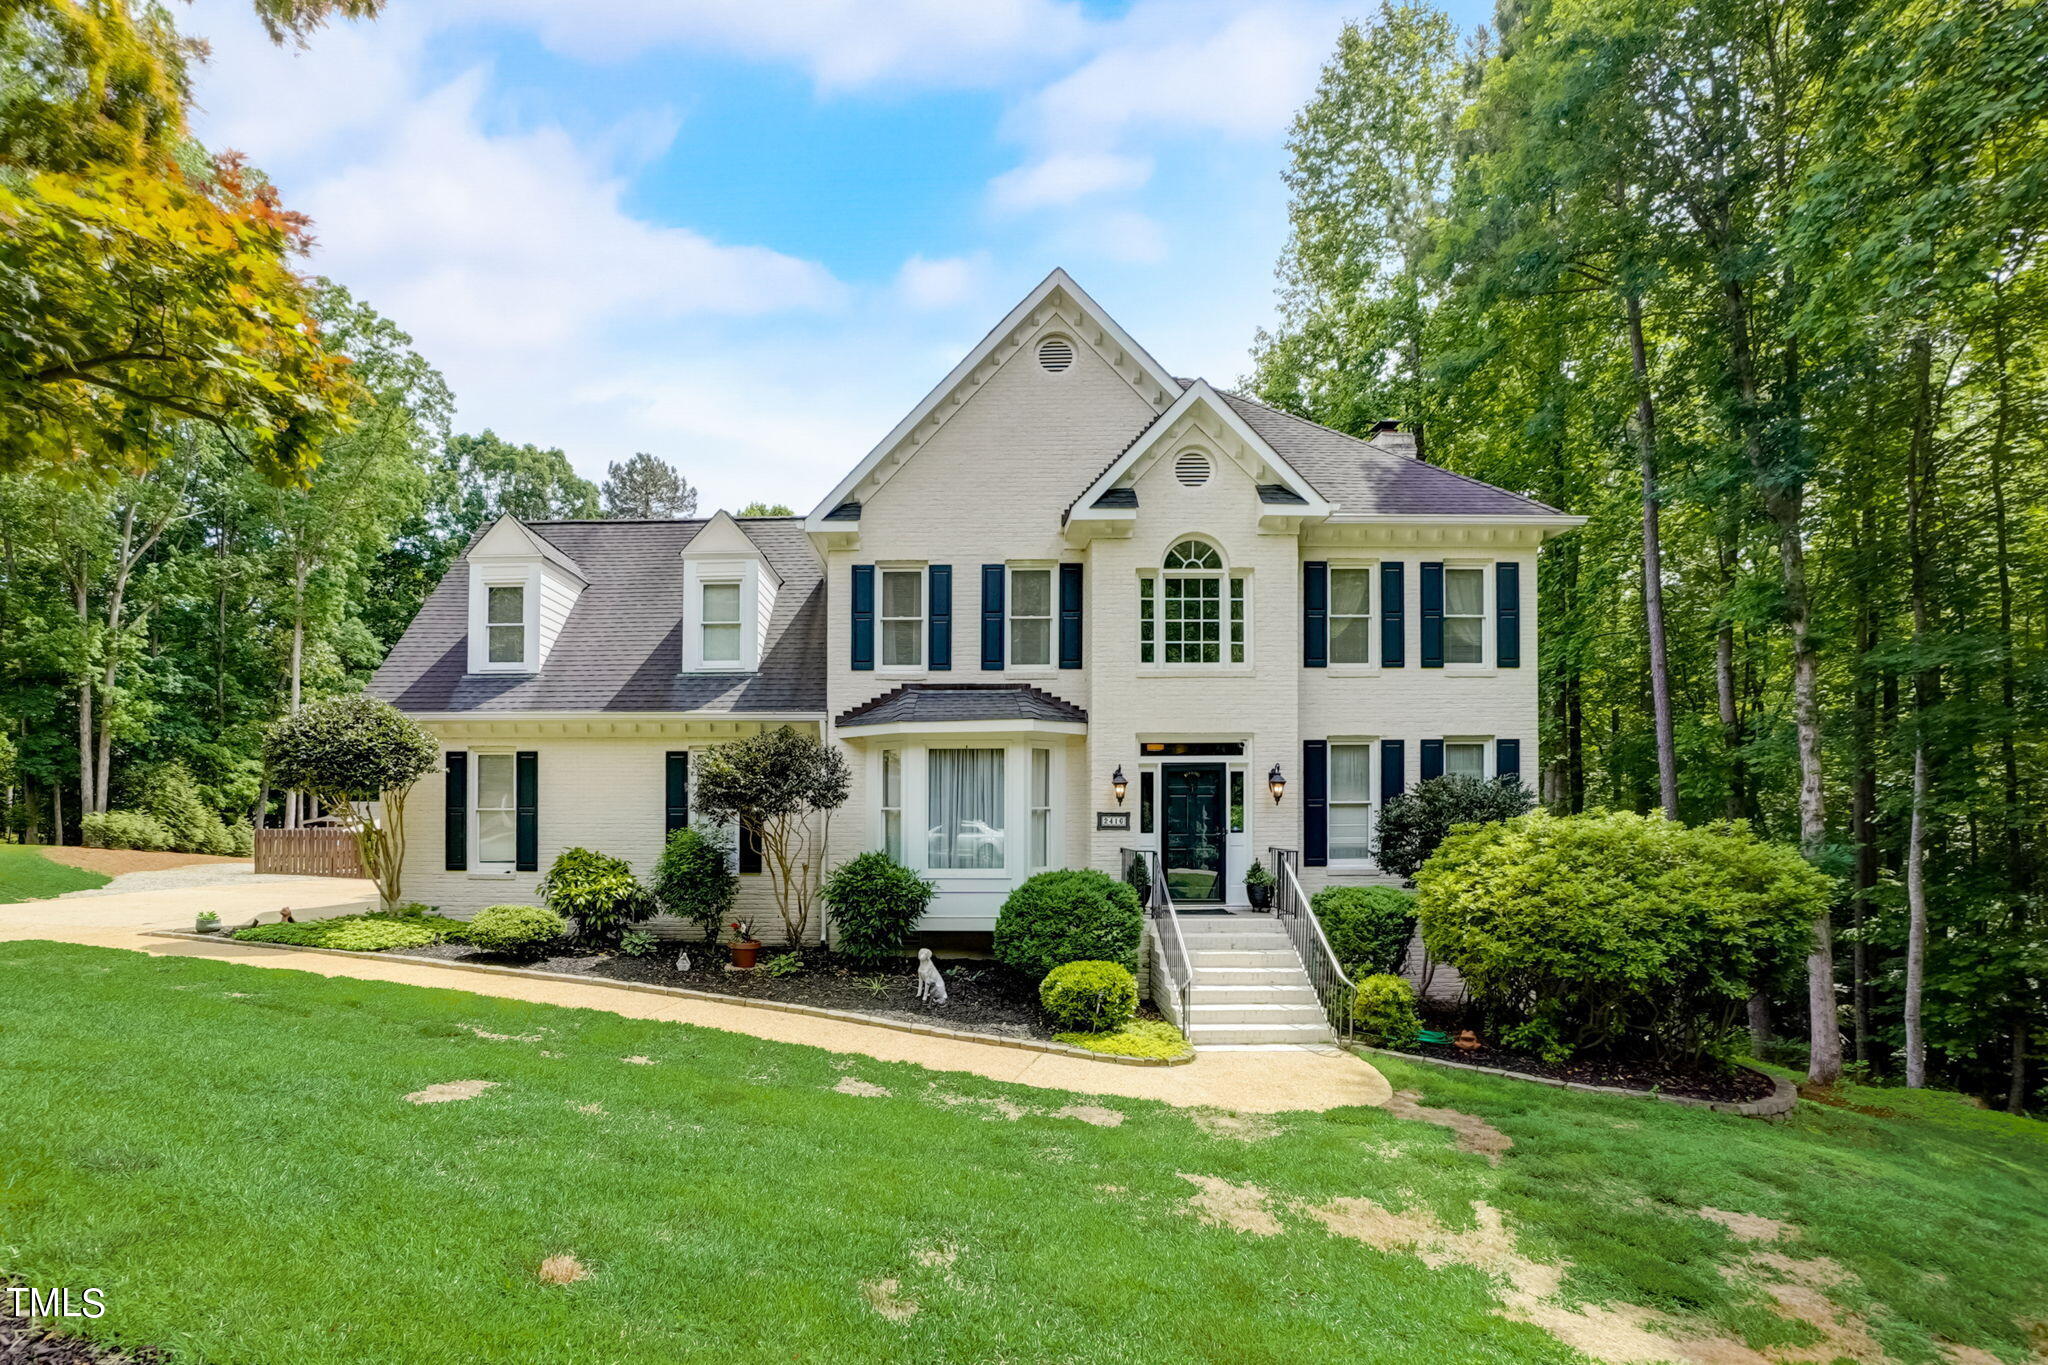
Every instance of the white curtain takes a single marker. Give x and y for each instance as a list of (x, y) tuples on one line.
[(1350, 801), (966, 804)]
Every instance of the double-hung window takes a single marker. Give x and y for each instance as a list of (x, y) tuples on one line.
[(1192, 613), (505, 623), (1041, 808), (964, 802), (497, 812), (1464, 616), (720, 622), (1350, 615), (1465, 758), (1350, 802), (902, 618), (1031, 618), (892, 803)]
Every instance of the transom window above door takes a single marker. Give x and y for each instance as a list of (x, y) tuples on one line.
[(1192, 613), (902, 618)]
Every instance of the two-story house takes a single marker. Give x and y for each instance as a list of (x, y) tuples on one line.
[(1071, 605)]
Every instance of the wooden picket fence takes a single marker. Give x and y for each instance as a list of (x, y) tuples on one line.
[(308, 853)]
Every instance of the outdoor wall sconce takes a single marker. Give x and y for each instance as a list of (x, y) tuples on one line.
[(1117, 785), (1276, 783)]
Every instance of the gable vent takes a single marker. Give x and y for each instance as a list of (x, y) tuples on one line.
[(1192, 468), (1055, 353)]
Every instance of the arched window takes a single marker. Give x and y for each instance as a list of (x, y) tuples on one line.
[(1191, 613)]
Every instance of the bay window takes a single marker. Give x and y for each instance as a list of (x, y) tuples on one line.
[(892, 803), (964, 803), (1041, 808)]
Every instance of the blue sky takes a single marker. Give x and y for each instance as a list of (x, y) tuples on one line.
[(747, 235)]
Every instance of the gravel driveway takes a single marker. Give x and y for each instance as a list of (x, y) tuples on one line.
[(179, 878)]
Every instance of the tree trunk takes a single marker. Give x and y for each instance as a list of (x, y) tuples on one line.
[(1916, 924), (2016, 1092), (1919, 475), (1653, 565), (81, 604), (1724, 692), (298, 663), (1759, 1023)]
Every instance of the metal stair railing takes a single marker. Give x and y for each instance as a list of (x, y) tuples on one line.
[(1333, 986), (1141, 870)]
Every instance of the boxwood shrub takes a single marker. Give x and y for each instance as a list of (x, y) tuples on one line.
[(1074, 915), (517, 930), (1091, 997), (694, 879), (874, 903), (1369, 927), (1383, 1011)]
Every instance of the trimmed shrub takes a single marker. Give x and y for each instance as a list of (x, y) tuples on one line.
[(1139, 1038), (874, 903), (1091, 997), (373, 935), (517, 930), (1383, 1009), (1617, 933), (1369, 927), (596, 890), (312, 935), (694, 879), (426, 918), (1412, 824), (1074, 915), (125, 829)]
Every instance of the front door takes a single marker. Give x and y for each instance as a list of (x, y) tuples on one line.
[(1194, 832)]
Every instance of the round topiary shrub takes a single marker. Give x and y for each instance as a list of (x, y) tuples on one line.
[(377, 935), (1075, 915), (1089, 997), (1384, 1011), (1616, 933), (694, 879), (598, 891), (1412, 824), (1369, 927), (517, 930), (874, 903)]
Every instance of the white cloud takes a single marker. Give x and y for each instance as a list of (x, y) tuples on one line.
[(1065, 177), (946, 283)]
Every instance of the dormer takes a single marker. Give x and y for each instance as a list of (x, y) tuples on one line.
[(521, 590), (728, 595)]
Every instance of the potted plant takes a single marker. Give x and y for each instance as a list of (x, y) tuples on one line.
[(209, 922), (745, 946), (1258, 885)]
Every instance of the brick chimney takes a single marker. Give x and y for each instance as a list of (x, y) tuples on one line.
[(1389, 437)]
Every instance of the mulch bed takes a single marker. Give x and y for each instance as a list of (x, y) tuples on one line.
[(983, 996), (23, 1342), (1693, 1082)]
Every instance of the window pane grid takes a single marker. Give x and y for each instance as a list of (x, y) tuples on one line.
[(1350, 615), (1041, 807), (1194, 620), (1031, 617), (1464, 616), (902, 618), (505, 624), (892, 804), (1146, 647)]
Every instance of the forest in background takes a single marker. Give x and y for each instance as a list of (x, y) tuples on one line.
[(1757, 287)]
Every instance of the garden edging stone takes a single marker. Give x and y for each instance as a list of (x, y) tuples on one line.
[(1784, 1095), (786, 1007)]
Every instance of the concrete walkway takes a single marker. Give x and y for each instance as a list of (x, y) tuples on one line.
[(1256, 1082)]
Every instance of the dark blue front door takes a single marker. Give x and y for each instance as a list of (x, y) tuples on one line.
[(1194, 832)]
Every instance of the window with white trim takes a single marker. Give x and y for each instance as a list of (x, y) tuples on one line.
[(1350, 811), (720, 622), (1464, 616), (1192, 613), (1041, 808), (892, 803), (494, 800), (964, 804), (902, 618), (1031, 618), (505, 623), (1350, 615), (1465, 758)]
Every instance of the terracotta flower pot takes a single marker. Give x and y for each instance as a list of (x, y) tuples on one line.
[(743, 953)]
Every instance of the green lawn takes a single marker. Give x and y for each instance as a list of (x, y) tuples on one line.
[(228, 1153), (26, 875)]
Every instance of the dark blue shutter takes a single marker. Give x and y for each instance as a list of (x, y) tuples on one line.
[(1432, 759), (1393, 616), (1070, 616), (526, 793), (678, 791), (940, 622), (863, 598), (750, 851), (991, 616), (455, 837), (1432, 616), (1393, 768), (1315, 614), (1507, 606), (1315, 803), (1507, 758)]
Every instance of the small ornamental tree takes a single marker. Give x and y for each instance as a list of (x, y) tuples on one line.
[(349, 751), (780, 788), (1412, 824), (694, 879)]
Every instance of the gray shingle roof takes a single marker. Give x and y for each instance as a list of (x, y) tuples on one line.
[(621, 648), (926, 702)]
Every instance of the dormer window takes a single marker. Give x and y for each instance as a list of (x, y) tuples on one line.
[(720, 623), (522, 590), (505, 620), (728, 599)]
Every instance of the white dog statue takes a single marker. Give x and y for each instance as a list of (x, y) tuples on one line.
[(683, 960), (931, 987)]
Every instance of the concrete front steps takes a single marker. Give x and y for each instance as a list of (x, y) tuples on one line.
[(1249, 984)]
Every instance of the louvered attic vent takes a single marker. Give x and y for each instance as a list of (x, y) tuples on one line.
[(1055, 353), (1192, 468)]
